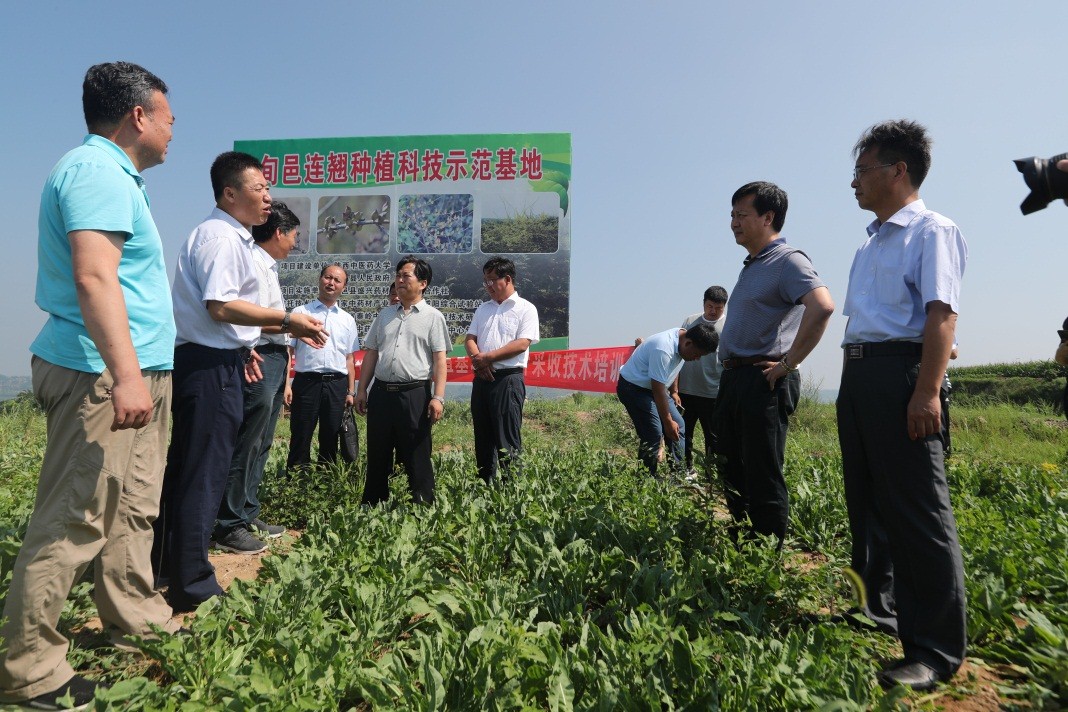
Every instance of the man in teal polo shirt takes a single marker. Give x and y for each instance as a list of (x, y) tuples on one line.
[(101, 369)]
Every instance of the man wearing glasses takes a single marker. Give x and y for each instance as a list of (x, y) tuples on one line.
[(498, 344), (902, 303), (218, 319)]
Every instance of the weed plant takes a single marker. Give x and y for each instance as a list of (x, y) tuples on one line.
[(585, 584)]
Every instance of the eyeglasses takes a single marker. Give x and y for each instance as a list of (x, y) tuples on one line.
[(488, 281), (861, 170)]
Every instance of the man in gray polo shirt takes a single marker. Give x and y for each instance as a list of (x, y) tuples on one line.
[(405, 354), (776, 315)]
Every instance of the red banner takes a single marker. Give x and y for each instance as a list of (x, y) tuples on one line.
[(595, 370)]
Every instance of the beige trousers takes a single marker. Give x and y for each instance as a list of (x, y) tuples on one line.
[(96, 500)]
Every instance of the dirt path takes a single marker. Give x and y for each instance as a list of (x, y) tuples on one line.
[(229, 568)]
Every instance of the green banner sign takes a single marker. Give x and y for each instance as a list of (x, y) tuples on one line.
[(453, 200)]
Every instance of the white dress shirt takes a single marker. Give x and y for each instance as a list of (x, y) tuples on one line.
[(215, 264), (343, 340), (270, 291), (495, 325)]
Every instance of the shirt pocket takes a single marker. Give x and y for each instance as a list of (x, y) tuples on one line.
[(508, 326)]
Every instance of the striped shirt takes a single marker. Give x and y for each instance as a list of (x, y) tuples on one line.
[(406, 343), (764, 310)]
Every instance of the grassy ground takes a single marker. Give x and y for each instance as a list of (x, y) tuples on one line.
[(586, 585)]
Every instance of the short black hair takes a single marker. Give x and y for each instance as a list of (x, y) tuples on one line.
[(335, 264), (716, 294), (421, 268), (227, 168), (281, 218), (703, 336), (503, 266), (767, 196), (111, 90), (900, 140)]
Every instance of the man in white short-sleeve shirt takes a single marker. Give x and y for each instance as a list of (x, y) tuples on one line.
[(498, 343), (218, 320), (325, 380)]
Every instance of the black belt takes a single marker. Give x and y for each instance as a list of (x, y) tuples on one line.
[(885, 348), (396, 386), (272, 348), (508, 371), (748, 361), (316, 376)]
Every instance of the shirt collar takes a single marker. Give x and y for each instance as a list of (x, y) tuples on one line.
[(219, 214), (415, 307), (98, 141), (513, 298), (901, 218), (264, 255), (317, 304), (768, 249)]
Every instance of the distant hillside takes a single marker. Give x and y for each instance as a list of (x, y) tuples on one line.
[(1020, 383), (11, 386)]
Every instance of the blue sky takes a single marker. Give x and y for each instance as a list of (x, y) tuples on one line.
[(671, 106)]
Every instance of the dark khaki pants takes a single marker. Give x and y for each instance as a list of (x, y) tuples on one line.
[(96, 499)]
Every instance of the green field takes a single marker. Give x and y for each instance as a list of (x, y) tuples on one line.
[(586, 585)]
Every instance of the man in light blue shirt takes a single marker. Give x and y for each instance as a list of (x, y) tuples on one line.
[(902, 303), (643, 388), (102, 371)]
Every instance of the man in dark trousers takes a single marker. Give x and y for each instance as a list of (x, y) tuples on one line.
[(698, 381), (325, 380), (405, 355), (498, 344), (263, 398), (776, 315), (218, 321), (902, 304)]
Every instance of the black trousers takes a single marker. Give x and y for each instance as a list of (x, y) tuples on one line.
[(317, 399), (698, 409), (497, 416), (397, 422), (750, 424), (207, 412), (904, 533)]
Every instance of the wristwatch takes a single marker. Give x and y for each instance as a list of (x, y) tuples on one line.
[(439, 399), (285, 321)]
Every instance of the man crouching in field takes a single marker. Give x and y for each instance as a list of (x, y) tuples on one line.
[(643, 388)]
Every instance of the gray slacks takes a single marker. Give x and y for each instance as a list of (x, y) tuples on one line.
[(904, 533)]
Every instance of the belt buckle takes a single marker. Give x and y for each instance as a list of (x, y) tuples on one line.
[(854, 351)]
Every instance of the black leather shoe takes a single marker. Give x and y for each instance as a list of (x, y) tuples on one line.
[(918, 676)]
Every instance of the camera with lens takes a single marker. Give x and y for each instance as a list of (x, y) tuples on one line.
[(1046, 181)]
